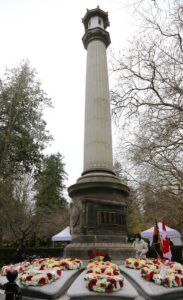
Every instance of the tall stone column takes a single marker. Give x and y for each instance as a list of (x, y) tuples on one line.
[(98, 209), (97, 138)]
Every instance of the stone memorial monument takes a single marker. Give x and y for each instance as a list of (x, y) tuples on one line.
[(98, 210)]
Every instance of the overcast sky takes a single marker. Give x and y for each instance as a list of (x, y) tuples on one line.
[(48, 33)]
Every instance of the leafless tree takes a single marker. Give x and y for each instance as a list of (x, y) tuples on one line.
[(148, 97), (21, 221)]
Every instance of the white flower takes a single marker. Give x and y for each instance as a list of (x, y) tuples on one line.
[(157, 279)]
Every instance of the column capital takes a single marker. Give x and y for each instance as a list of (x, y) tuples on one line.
[(96, 34)]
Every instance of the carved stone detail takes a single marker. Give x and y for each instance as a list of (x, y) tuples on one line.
[(96, 34)]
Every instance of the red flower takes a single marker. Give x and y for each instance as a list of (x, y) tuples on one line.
[(177, 280), (89, 271), (92, 283), (149, 275), (136, 264), (28, 278), (166, 282), (121, 283), (59, 272), (65, 265), (42, 267), (49, 276), (42, 281), (116, 272), (109, 288), (112, 280), (40, 261), (109, 273), (95, 254)]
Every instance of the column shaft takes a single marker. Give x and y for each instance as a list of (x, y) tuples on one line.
[(97, 137)]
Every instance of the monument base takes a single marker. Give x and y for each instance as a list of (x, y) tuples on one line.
[(99, 216), (117, 251)]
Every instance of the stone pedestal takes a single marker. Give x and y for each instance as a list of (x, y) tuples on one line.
[(98, 217), (117, 251)]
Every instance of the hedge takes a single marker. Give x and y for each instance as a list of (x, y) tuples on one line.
[(8, 255)]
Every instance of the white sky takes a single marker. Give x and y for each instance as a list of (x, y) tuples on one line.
[(48, 33)]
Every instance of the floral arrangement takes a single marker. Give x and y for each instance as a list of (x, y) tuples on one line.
[(20, 267), (103, 283), (42, 270), (168, 274), (148, 271), (74, 263), (138, 263), (103, 276), (62, 263), (106, 268), (96, 255), (135, 263), (39, 278), (159, 271)]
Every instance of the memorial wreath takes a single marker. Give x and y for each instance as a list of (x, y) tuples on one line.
[(103, 277), (37, 278)]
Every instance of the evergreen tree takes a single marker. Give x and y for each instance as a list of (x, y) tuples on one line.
[(23, 132), (50, 182)]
